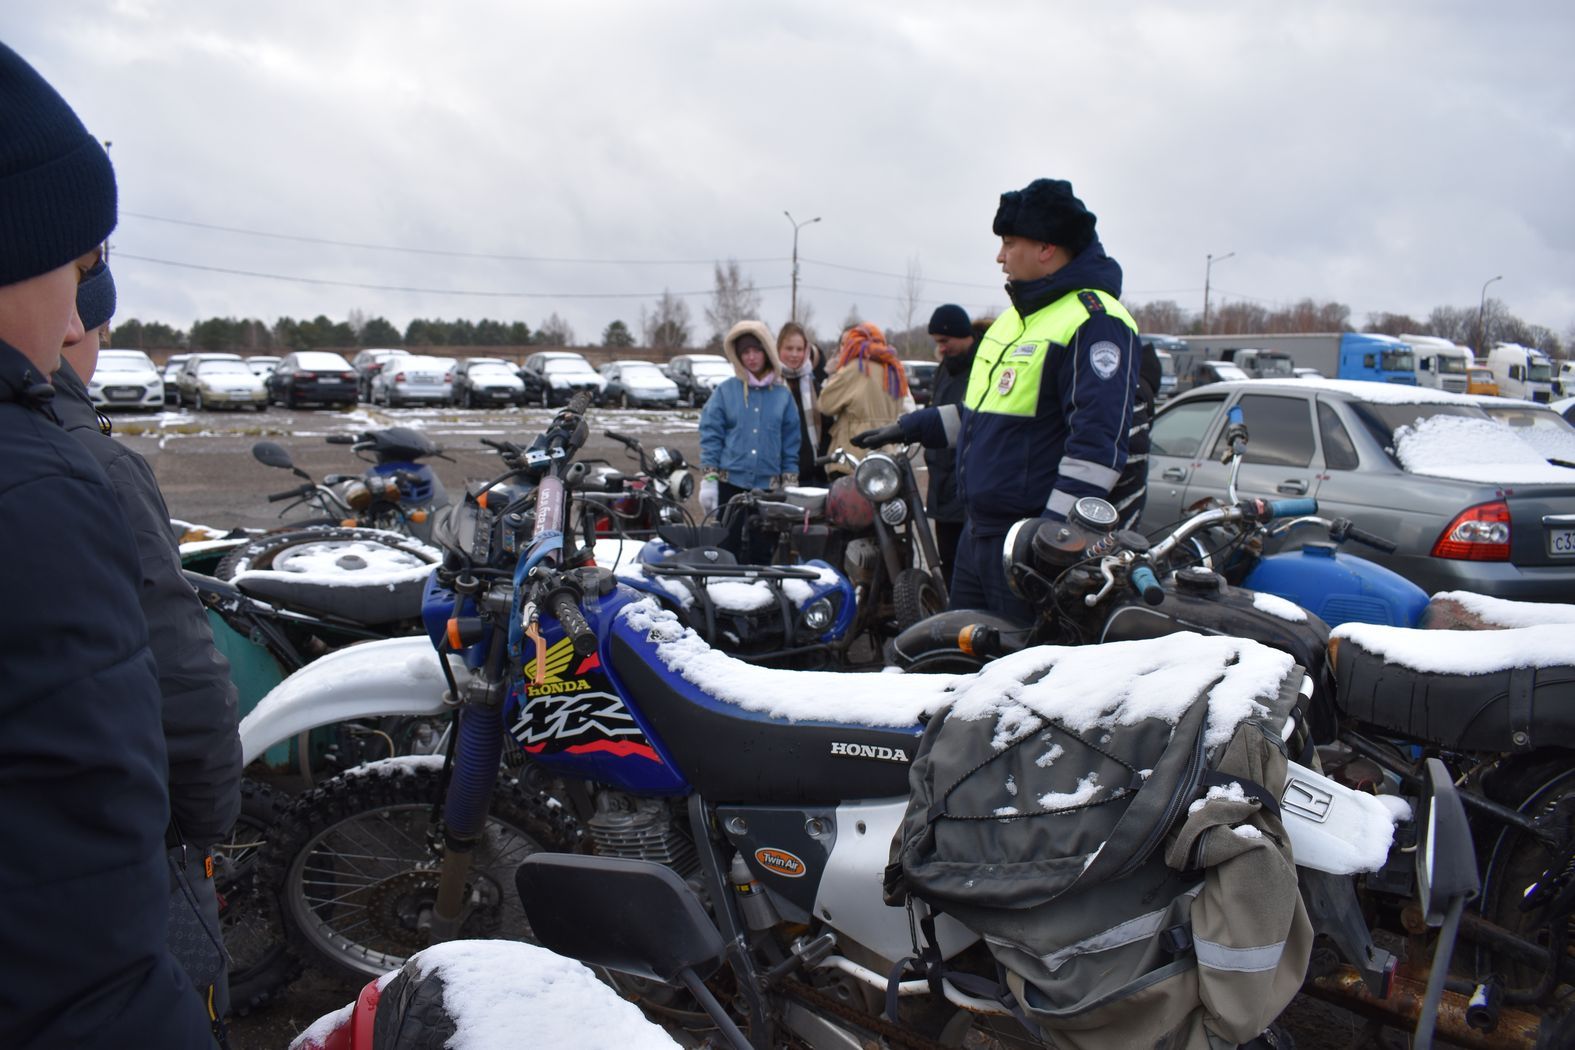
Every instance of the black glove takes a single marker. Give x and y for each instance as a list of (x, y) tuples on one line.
[(879, 436)]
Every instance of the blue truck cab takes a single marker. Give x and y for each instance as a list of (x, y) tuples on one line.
[(1380, 358)]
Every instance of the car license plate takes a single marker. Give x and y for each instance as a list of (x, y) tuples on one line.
[(1561, 543)]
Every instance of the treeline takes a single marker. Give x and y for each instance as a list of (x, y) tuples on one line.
[(249, 335), (1456, 323)]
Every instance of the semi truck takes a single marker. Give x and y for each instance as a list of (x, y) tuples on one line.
[(1439, 362), (1337, 355), (1522, 371)]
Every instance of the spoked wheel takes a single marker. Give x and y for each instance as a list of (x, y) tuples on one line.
[(914, 597), (337, 551), (1518, 859), (355, 866), (260, 964)]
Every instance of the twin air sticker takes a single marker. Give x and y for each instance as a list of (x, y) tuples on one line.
[(575, 709), (1105, 356), (780, 862)]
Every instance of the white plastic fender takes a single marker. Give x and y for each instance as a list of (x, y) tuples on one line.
[(1331, 827), (395, 676), (849, 897)]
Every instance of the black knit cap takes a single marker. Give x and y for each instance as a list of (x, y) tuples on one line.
[(952, 320), (1046, 210), (57, 189)]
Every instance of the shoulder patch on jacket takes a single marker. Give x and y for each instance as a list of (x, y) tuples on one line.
[(1105, 356), (1092, 301)]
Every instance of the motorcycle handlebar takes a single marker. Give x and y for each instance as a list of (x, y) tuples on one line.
[(1344, 529), (304, 490), (1291, 508), (1147, 584), (341, 439), (567, 611), (622, 439)]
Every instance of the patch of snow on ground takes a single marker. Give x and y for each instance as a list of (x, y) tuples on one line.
[(1083, 794), (505, 994), (1274, 605), (1470, 449), (1474, 652), (1501, 612)]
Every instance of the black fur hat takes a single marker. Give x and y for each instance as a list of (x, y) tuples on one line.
[(1046, 210)]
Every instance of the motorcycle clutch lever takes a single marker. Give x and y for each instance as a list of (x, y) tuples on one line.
[(1105, 570)]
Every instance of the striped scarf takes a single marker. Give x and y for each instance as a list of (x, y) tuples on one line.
[(865, 344)]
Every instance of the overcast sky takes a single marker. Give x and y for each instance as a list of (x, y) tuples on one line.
[(1390, 156)]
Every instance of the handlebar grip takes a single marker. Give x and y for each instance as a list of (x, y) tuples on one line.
[(304, 490), (1147, 584), (1292, 508), (341, 439), (623, 439), (573, 622), (1366, 538)]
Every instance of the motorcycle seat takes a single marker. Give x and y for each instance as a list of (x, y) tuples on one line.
[(730, 754), (1508, 690), (1465, 611), (371, 604)]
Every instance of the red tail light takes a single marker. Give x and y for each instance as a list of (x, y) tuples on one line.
[(347, 375), (399, 377), (448, 377), (1479, 533)]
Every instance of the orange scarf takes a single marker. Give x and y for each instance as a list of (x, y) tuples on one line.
[(865, 344)]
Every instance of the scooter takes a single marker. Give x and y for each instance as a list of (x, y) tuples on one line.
[(397, 492)]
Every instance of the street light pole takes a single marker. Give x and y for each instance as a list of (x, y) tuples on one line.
[(1208, 269), (793, 307), (1481, 306)]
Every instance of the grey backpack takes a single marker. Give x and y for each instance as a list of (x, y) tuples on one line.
[(1135, 887)]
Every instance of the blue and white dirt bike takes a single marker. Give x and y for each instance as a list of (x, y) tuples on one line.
[(590, 721)]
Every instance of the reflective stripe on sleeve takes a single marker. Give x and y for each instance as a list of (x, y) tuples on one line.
[(951, 422), (1061, 503), (1092, 473)]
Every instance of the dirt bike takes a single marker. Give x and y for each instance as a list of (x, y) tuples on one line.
[(774, 792), (398, 492)]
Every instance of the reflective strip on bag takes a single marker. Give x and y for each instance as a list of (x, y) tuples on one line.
[(1237, 960)]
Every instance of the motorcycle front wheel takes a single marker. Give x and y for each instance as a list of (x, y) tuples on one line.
[(915, 597), (260, 965), (354, 865), (334, 551)]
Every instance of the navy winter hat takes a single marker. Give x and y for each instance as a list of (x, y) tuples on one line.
[(96, 297), (1045, 210), (951, 319), (57, 189)]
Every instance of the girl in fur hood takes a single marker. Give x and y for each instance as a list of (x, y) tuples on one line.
[(749, 430)]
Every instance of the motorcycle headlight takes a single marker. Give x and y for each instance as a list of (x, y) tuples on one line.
[(683, 485), (818, 614), (877, 478), (894, 512)]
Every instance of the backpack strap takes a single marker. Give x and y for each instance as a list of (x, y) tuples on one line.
[(1254, 790), (927, 963)]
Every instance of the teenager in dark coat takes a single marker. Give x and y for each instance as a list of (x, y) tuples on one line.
[(804, 374), (83, 873)]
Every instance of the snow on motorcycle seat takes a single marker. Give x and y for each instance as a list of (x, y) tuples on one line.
[(1467, 611), (370, 599), (743, 733), (1504, 690)]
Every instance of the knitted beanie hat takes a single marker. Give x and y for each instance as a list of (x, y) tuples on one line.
[(1045, 210), (57, 189), (951, 320)]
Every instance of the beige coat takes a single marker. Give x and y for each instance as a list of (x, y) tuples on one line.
[(855, 401)]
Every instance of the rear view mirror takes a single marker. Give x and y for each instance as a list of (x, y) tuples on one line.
[(1446, 878), (273, 455)]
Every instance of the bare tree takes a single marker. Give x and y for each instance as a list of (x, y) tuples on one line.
[(1392, 324), (908, 303), (735, 298), (554, 331), (666, 327), (1161, 318), (1457, 324)]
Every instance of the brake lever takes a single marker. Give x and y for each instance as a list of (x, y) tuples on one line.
[(1108, 573)]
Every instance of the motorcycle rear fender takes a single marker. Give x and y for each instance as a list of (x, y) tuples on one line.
[(394, 676)]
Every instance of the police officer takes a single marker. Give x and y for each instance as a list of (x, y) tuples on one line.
[(1048, 416)]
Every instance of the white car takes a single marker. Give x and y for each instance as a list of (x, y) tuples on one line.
[(126, 379)]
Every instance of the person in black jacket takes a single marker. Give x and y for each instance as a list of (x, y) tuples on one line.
[(83, 875), (804, 375), (955, 343), (199, 699)]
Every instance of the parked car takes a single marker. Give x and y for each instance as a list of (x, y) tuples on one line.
[(186, 378), (1481, 381), (1470, 507), (126, 379), (551, 377), (1207, 372), (486, 381), (1565, 408), (638, 384), (171, 372), (1539, 426), (921, 377), (696, 375), (263, 364), (221, 382), (313, 377), (413, 378), (1306, 373), (367, 364)]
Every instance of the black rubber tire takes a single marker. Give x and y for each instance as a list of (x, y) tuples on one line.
[(261, 965), (343, 799), (261, 552), (412, 1015), (915, 597), (197, 402)]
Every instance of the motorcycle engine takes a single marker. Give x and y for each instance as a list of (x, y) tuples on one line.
[(860, 559), (640, 829)]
